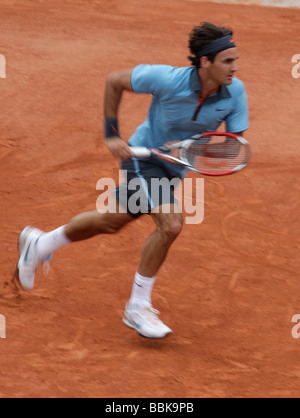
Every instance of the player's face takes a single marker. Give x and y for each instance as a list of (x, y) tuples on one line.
[(224, 67)]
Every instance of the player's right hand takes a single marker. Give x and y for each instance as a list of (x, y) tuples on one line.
[(119, 148)]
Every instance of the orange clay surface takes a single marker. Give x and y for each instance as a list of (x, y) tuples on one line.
[(230, 286)]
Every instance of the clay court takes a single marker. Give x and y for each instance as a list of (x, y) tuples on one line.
[(230, 286)]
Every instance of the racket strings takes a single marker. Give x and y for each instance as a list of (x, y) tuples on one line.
[(215, 155)]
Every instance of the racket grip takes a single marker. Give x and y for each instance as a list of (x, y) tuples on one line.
[(141, 152)]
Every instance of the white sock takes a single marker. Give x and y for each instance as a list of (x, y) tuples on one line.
[(142, 289), (50, 242)]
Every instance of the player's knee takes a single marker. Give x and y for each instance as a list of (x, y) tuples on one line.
[(172, 228), (176, 228)]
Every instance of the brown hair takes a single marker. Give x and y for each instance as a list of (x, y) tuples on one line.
[(203, 34)]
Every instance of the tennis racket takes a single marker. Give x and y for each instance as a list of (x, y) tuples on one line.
[(211, 153)]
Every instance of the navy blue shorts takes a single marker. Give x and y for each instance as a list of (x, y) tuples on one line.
[(147, 186)]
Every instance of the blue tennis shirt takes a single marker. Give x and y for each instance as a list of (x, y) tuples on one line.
[(175, 94)]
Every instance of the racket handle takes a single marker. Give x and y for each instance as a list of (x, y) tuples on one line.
[(141, 152)]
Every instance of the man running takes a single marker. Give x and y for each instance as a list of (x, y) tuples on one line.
[(186, 101)]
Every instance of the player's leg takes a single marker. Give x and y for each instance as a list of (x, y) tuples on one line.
[(37, 247), (139, 313), (154, 252), (159, 201), (90, 224), (82, 227)]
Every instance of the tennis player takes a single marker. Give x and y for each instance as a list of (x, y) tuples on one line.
[(186, 101)]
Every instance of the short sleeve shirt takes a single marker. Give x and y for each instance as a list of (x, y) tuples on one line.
[(176, 94)]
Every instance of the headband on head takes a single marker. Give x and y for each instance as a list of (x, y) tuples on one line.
[(216, 46)]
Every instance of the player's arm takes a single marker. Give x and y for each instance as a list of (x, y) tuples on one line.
[(116, 84)]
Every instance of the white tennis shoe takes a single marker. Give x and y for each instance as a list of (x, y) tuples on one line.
[(144, 319), (29, 262)]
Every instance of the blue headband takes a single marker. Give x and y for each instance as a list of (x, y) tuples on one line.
[(214, 47)]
